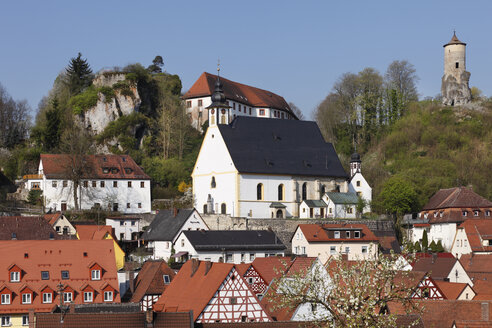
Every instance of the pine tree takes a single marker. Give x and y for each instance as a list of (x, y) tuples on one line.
[(417, 247), (439, 247), (433, 246), (79, 74), (52, 131), (425, 242)]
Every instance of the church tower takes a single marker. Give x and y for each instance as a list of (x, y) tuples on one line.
[(218, 111), (455, 89), (355, 164)]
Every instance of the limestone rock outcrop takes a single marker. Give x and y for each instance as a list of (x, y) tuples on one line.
[(456, 92)]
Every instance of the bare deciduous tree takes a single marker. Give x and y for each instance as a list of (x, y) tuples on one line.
[(14, 119)]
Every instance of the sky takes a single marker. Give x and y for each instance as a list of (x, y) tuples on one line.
[(297, 49)]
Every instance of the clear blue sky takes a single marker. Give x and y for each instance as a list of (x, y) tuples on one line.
[(294, 48)]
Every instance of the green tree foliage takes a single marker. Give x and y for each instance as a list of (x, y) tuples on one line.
[(417, 248), (157, 65), (35, 197), (78, 74), (433, 246), (14, 119), (52, 132), (398, 196), (439, 247), (425, 241)]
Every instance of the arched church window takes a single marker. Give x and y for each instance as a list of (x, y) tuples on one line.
[(259, 191), (213, 184), (281, 192), (223, 208), (304, 191)]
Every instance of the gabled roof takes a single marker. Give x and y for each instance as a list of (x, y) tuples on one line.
[(451, 290), (478, 230), (459, 197), (343, 197), (93, 231), (52, 218), (27, 228), (56, 256), (290, 147), (271, 267), (193, 287), (314, 203), (150, 280), (476, 263), (58, 166), (238, 92), (438, 267), (319, 232), (166, 226), (213, 240)]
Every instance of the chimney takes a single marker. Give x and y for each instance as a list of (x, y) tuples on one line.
[(71, 308), (208, 266), (175, 211), (485, 311), (194, 266), (131, 280), (149, 318)]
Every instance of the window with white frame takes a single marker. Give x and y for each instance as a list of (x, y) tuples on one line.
[(47, 297), (15, 276), (5, 298), (337, 234), (166, 279), (356, 234), (347, 250), (67, 297), (303, 250), (25, 320), (347, 234), (251, 256), (6, 321), (108, 296), (333, 249), (364, 249), (26, 298), (88, 296), (96, 275)]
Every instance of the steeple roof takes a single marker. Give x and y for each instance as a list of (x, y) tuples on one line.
[(454, 40)]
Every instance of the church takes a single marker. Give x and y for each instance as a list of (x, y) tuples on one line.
[(262, 168)]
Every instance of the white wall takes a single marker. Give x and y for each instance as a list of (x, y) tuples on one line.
[(364, 190), (460, 244), (339, 210), (305, 211), (125, 227), (445, 232)]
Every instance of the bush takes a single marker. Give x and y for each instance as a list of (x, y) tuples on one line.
[(81, 102), (35, 197)]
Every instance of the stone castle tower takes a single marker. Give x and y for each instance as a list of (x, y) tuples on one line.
[(455, 89)]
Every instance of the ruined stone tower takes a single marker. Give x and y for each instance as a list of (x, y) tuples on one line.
[(455, 89)]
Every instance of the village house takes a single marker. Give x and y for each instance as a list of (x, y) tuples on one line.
[(60, 223), (442, 266), (152, 279), (243, 100), (355, 241), (109, 182), (358, 184), (98, 232), (27, 228), (160, 236), (341, 204), (36, 274), (126, 228), (473, 236), (445, 211), (215, 292), (230, 246)]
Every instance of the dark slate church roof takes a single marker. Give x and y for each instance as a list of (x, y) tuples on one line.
[(165, 225), (233, 240), (275, 146)]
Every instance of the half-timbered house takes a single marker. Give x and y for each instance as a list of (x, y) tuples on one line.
[(260, 273), (215, 292)]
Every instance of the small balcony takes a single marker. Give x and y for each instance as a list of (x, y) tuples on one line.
[(33, 177)]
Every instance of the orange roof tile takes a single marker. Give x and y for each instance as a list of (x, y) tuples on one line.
[(193, 291), (456, 198), (56, 256), (451, 290), (150, 280), (238, 92), (477, 263), (272, 267), (477, 230), (319, 232), (51, 218), (92, 231), (57, 166)]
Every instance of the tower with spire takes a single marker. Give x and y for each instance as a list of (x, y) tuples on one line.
[(454, 88), (357, 183), (218, 111)]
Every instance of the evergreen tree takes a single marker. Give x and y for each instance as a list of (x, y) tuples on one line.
[(417, 247), (52, 131), (78, 74), (425, 242), (157, 65), (439, 247), (433, 246)]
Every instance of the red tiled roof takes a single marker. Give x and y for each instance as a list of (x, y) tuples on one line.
[(83, 320), (300, 265), (451, 290), (193, 291), (235, 91), (458, 197), (27, 228), (476, 263), (483, 288), (57, 166), (150, 280), (476, 231), (92, 231), (438, 267), (418, 225), (51, 218), (318, 232), (54, 256), (271, 267)]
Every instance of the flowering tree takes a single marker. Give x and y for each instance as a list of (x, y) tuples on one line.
[(357, 294)]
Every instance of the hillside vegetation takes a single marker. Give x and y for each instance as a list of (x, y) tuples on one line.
[(429, 148)]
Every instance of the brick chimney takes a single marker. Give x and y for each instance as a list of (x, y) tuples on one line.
[(194, 266), (208, 266), (485, 311), (131, 279), (149, 318), (175, 211)]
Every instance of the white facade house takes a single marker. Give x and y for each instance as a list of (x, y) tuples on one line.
[(112, 182), (125, 228), (341, 205), (358, 183), (262, 168), (230, 246), (60, 223), (161, 234), (243, 100), (313, 209)]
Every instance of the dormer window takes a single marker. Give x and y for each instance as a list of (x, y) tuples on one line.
[(128, 170), (88, 297), (105, 170), (114, 170), (108, 296), (5, 299), (26, 298), (475, 213), (48, 297), (166, 278), (347, 234), (337, 234), (96, 274), (14, 276), (356, 234), (464, 213)]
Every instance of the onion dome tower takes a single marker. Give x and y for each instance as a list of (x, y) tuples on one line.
[(355, 164), (219, 109)]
